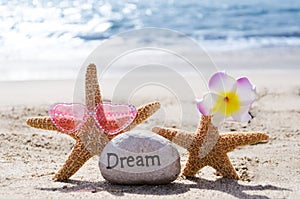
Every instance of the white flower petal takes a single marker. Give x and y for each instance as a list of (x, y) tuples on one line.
[(221, 82), (246, 91), (242, 115), (206, 104)]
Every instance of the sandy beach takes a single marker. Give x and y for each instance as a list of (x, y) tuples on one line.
[(30, 157)]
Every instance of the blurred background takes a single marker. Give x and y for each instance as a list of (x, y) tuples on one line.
[(58, 34)]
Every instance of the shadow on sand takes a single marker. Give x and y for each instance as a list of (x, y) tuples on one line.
[(228, 186)]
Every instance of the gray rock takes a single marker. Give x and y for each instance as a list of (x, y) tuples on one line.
[(139, 157)]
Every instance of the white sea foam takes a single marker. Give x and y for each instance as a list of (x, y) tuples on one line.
[(47, 39)]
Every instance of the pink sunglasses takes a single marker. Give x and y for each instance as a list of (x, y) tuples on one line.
[(111, 118)]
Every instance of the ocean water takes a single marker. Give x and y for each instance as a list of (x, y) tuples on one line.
[(52, 30)]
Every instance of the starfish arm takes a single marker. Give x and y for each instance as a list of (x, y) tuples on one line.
[(92, 88), (93, 138), (42, 123), (143, 113), (204, 123), (222, 164), (193, 165), (205, 127), (45, 123), (75, 161), (206, 135), (230, 141), (179, 137)]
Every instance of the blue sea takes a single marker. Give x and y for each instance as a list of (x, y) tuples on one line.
[(34, 30)]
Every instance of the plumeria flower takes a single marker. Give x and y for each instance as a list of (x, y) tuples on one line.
[(227, 99)]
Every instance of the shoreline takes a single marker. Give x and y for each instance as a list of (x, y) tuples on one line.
[(50, 91), (262, 59)]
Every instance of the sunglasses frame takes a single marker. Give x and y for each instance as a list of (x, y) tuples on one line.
[(91, 113)]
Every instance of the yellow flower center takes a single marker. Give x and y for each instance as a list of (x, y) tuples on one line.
[(227, 103)]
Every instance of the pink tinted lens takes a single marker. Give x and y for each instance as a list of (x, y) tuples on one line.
[(68, 117), (113, 118)]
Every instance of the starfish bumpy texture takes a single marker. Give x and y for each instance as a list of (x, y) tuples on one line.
[(90, 139), (207, 147)]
